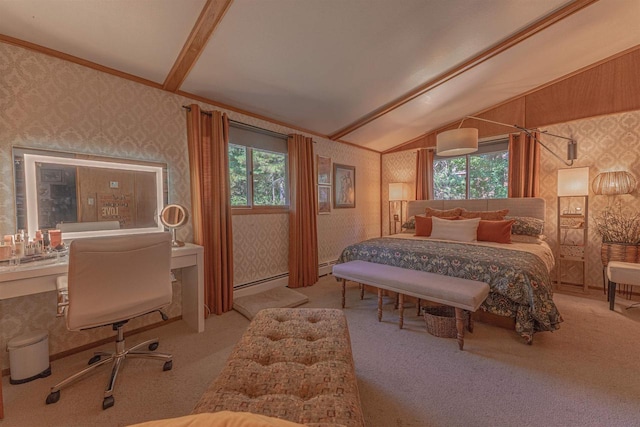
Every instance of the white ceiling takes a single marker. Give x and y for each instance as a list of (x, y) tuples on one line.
[(322, 65)]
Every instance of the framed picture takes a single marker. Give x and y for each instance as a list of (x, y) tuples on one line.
[(324, 170), (344, 186), (324, 199)]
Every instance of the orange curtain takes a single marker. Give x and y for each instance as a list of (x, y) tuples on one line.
[(208, 140), (303, 234), (424, 174), (524, 166)]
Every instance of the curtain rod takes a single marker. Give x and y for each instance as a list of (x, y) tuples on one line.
[(240, 124)]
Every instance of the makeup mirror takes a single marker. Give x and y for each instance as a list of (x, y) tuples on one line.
[(173, 217), (86, 194)]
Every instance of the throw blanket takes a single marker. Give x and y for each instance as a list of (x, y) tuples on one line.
[(519, 281)]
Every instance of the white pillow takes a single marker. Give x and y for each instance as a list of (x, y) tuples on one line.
[(462, 230)]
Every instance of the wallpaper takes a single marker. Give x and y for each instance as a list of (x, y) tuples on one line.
[(49, 103), (605, 143), (396, 167)]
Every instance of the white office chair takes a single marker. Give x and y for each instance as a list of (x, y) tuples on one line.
[(112, 280)]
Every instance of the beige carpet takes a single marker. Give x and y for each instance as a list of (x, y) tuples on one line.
[(585, 374), (281, 297)]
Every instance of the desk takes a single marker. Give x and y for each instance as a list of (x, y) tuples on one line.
[(40, 276)]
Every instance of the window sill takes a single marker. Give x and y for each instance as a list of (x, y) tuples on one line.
[(260, 210)]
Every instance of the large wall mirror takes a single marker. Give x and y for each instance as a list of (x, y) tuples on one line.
[(86, 195)]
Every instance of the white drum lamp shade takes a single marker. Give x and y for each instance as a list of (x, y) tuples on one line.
[(457, 142), (573, 182), (398, 191)]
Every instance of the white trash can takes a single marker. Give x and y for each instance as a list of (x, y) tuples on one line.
[(29, 357)]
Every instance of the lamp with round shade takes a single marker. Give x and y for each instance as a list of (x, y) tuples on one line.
[(613, 183), (457, 142)]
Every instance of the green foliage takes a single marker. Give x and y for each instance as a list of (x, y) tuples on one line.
[(449, 178), (488, 176), (269, 177), (238, 175)]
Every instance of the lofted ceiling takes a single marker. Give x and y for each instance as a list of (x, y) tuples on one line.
[(374, 73)]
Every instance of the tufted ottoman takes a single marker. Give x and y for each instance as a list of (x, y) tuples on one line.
[(294, 364)]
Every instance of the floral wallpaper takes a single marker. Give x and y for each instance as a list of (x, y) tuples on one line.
[(49, 103)]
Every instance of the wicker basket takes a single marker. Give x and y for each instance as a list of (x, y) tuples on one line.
[(626, 252), (441, 320)]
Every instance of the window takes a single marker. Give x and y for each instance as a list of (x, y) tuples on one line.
[(258, 170), (481, 175)]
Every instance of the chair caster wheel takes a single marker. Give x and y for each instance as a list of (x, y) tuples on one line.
[(53, 397), (108, 402), (153, 346), (167, 365), (94, 359)]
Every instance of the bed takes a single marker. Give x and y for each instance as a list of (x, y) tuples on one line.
[(518, 273)]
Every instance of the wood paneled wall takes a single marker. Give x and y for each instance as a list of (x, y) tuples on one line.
[(131, 200), (612, 86)]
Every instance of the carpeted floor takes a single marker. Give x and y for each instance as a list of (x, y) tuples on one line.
[(585, 374)]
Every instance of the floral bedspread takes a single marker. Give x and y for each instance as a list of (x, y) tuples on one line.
[(519, 281)]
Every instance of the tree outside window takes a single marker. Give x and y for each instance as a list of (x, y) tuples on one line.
[(257, 177)]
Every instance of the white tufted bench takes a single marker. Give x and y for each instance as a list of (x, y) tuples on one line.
[(462, 294), (294, 364)]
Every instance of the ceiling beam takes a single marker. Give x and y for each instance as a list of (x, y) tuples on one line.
[(209, 18), (471, 63)]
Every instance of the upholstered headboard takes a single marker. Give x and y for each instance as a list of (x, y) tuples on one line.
[(526, 206)]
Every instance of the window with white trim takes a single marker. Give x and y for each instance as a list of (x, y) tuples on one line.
[(258, 168), (480, 175)]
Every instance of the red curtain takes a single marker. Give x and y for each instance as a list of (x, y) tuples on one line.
[(424, 174), (208, 141), (303, 234), (524, 166)]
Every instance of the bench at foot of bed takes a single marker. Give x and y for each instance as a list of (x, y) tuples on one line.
[(462, 294)]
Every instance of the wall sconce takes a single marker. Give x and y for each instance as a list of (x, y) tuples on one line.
[(613, 183), (398, 192), (461, 141)]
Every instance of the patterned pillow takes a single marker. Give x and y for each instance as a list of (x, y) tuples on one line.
[(443, 213), (485, 215), (410, 224), (526, 225)]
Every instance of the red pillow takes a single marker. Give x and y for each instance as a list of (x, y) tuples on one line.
[(424, 224), (495, 231)]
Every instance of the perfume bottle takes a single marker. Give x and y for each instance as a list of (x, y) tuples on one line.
[(19, 244)]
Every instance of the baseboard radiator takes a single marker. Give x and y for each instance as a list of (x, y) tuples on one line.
[(275, 281), (324, 268)]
